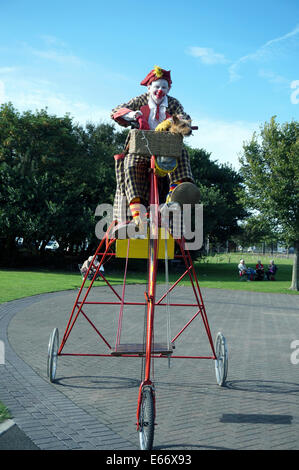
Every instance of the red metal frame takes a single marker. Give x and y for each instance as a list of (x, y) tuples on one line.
[(121, 303), (104, 250)]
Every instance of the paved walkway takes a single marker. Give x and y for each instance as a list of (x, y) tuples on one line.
[(92, 404)]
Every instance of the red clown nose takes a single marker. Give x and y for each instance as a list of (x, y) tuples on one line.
[(159, 94)]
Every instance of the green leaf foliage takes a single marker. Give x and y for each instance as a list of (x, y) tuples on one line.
[(54, 173), (220, 186), (270, 168)]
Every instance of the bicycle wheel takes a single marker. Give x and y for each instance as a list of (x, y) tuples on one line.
[(52, 355), (146, 420), (221, 361)]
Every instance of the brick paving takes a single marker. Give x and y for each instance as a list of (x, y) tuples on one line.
[(92, 404)]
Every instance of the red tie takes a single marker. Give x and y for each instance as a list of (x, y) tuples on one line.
[(157, 113)]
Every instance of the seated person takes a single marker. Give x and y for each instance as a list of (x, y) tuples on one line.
[(243, 270), (86, 264), (271, 271), (259, 269)]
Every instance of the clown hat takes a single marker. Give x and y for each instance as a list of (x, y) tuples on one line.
[(156, 74)]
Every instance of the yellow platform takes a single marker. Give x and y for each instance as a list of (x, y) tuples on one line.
[(139, 247)]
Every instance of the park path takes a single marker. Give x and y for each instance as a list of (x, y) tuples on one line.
[(92, 404)]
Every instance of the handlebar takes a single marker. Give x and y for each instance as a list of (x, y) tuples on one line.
[(137, 125)]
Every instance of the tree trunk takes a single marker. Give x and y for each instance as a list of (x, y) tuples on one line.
[(208, 245), (295, 276)]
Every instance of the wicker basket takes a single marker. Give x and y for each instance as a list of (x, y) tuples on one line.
[(148, 143)]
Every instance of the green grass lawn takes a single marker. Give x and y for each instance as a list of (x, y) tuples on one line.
[(219, 271), (16, 284)]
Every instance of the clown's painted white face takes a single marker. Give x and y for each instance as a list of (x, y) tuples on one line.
[(158, 89)]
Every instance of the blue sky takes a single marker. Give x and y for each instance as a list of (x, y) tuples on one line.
[(234, 64)]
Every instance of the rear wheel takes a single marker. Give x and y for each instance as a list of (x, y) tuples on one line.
[(146, 420), (221, 361)]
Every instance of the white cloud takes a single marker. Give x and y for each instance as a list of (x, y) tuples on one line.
[(53, 41), (59, 104), (2, 92), (35, 94), (223, 139), (5, 70), (274, 78), (292, 33), (84, 112), (207, 55), (266, 50), (53, 50), (57, 56)]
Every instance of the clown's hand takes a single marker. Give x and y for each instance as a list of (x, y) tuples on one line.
[(163, 126), (138, 114), (132, 115)]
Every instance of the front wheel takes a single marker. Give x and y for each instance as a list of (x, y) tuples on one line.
[(52, 355), (146, 420), (221, 361)]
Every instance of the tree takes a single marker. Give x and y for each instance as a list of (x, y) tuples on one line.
[(270, 168), (34, 148), (53, 174), (219, 185), (257, 229)]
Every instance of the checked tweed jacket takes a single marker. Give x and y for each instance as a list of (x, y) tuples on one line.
[(132, 170)]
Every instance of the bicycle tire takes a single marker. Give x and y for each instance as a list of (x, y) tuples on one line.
[(146, 420)]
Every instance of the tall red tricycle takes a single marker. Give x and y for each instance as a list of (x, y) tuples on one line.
[(158, 239)]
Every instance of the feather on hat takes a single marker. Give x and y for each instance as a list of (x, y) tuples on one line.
[(156, 74)]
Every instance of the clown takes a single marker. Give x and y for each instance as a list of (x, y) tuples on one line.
[(150, 110)]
